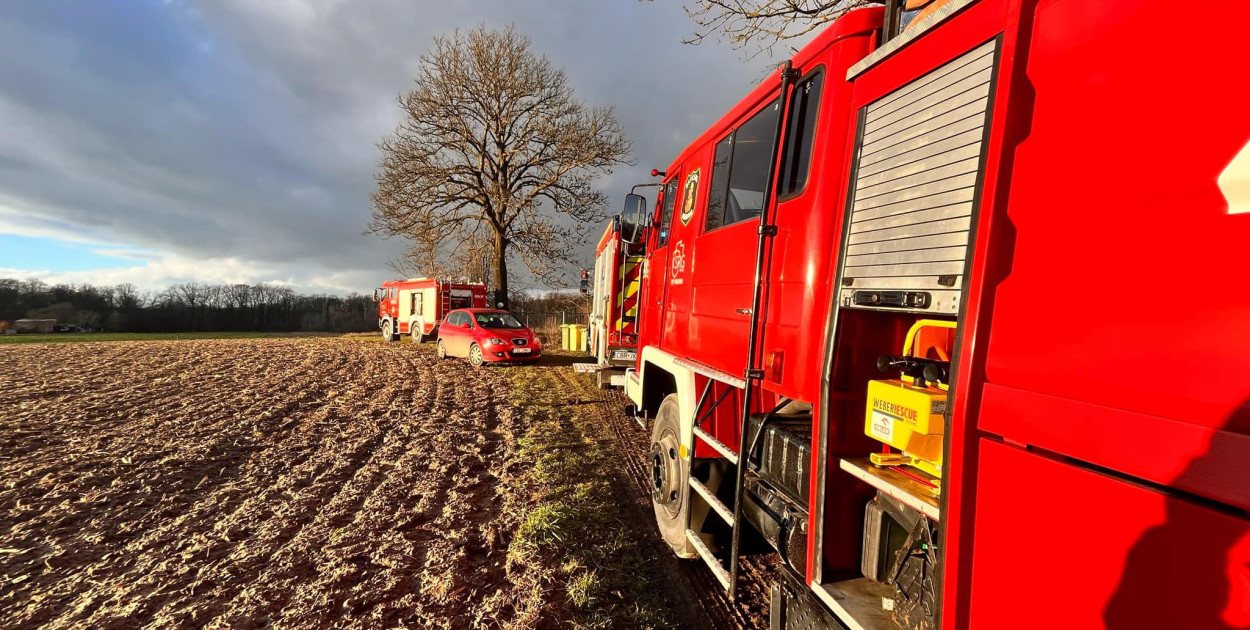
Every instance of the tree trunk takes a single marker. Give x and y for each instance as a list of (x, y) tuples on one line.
[(501, 271)]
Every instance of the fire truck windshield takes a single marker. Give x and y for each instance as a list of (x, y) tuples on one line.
[(497, 320)]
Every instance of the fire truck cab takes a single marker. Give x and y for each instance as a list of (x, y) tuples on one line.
[(415, 307), (946, 313), (613, 290)]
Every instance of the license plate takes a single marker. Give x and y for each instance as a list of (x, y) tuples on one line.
[(521, 350), (624, 355)]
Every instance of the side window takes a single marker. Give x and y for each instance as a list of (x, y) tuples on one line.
[(720, 184), (797, 159), (738, 195), (417, 303), (393, 289), (453, 319), (666, 216)]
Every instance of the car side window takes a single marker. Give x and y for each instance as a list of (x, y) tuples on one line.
[(453, 319)]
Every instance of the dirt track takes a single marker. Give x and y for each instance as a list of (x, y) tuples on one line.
[(286, 482)]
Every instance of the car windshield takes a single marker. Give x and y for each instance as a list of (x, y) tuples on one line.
[(497, 320)]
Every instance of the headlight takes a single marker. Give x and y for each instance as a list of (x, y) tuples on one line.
[(495, 340)]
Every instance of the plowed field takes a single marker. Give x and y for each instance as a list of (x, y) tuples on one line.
[(319, 483)]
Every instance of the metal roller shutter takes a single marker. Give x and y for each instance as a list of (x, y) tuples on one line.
[(918, 167)]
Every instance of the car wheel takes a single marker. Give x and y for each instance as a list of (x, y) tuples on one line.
[(475, 356), (387, 333), (442, 352), (417, 330), (670, 475)]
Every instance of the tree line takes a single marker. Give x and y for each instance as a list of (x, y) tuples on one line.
[(188, 307)]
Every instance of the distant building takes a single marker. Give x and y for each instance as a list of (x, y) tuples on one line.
[(37, 326)]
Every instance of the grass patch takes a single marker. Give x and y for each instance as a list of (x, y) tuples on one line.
[(574, 542), (84, 337)]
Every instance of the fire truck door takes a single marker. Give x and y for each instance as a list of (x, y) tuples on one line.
[(655, 271)]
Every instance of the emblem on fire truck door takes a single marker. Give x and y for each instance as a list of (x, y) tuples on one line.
[(688, 195), (679, 261)]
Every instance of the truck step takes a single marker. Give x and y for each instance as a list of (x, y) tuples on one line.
[(711, 372), (722, 509), (720, 447), (712, 561)]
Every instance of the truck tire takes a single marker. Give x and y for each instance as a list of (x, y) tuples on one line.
[(670, 473), (417, 330), (388, 333)]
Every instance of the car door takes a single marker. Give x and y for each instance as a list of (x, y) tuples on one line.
[(451, 333), (466, 334)]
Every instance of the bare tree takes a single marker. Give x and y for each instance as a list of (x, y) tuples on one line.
[(764, 23), (494, 152)]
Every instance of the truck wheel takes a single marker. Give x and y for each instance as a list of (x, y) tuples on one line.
[(442, 352), (387, 333), (417, 330), (475, 355), (670, 474)]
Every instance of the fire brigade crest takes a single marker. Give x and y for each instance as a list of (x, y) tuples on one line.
[(689, 193), (679, 259)]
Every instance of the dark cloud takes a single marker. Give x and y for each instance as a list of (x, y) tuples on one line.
[(245, 131)]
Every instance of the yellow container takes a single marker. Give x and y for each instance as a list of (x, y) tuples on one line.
[(566, 336), (579, 338), (908, 418)]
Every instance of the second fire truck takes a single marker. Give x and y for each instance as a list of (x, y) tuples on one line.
[(415, 307), (955, 318), (613, 289)]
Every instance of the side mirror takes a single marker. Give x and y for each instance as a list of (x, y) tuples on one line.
[(585, 287), (633, 218), (466, 325)]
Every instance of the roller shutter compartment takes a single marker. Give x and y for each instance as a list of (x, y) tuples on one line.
[(919, 165)]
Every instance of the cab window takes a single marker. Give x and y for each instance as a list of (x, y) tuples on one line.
[(796, 161), (666, 214), (740, 170)]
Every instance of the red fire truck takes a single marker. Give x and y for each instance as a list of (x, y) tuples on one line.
[(415, 307), (613, 289), (987, 364)]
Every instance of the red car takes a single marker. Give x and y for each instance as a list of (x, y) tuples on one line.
[(486, 335)]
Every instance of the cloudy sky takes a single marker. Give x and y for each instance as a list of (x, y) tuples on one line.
[(161, 141)]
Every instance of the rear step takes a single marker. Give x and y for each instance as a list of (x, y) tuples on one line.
[(712, 561)]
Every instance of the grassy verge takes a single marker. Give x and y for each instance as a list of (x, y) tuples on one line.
[(82, 337), (574, 532)]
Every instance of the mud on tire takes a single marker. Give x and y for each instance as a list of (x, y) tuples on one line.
[(670, 473)]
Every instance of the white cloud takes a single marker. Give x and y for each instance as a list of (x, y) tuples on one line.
[(163, 270)]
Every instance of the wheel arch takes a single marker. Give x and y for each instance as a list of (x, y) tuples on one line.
[(660, 376)]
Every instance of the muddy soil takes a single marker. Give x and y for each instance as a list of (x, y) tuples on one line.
[(308, 483)]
